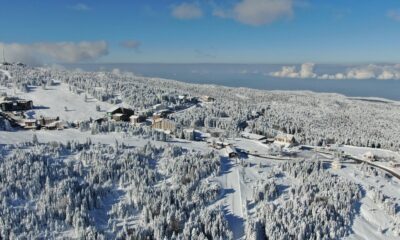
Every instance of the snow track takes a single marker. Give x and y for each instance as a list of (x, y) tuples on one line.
[(233, 203)]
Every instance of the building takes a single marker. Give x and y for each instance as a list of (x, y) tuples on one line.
[(215, 133), (43, 121), (136, 119), (159, 107), (100, 120), (57, 125), (10, 104), (369, 156), (189, 134), (50, 123), (164, 124), (287, 140), (30, 124), (206, 98), (252, 136), (119, 117), (120, 113), (54, 82), (394, 164), (231, 152), (336, 164)]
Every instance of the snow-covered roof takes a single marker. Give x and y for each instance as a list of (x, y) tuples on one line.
[(284, 136), (252, 136), (369, 154), (230, 150), (113, 109)]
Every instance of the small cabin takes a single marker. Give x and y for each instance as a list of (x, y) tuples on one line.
[(231, 152), (285, 139), (47, 121), (207, 99), (30, 123)]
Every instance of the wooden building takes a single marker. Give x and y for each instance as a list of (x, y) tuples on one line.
[(136, 119), (10, 104), (285, 140), (30, 124), (231, 152), (120, 113)]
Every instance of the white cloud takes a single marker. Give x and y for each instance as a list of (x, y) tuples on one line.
[(258, 12), (80, 7), (372, 71), (394, 14), (306, 71), (132, 44), (38, 53), (187, 11)]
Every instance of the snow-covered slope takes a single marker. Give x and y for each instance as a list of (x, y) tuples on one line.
[(122, 181)]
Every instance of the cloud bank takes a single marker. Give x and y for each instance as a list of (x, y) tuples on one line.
[(258, 12), (187, 11), (69, 52), (306, 71), (371, 71)]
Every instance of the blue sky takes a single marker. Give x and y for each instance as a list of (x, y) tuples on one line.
[(164, 31)]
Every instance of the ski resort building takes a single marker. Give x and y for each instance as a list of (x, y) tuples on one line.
[(120, 113), (30, 124), (9, 104), (164, 124), (231, 152), (285, 140), (50, 123), (252, 136), (136, 119)]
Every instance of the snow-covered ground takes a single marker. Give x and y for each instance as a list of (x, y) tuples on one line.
[(238, 177), (59, 101)]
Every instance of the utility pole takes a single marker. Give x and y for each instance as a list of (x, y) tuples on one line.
[(4, 58)]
